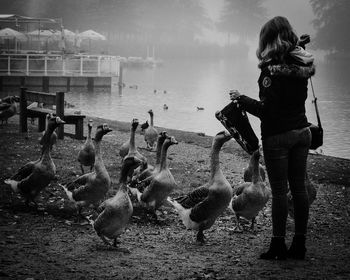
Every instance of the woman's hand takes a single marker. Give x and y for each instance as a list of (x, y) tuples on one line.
[(234, 94)]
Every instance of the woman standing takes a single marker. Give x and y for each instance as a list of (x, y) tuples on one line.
[(285, 69)]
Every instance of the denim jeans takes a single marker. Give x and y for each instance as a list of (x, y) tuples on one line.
[(286, 158)]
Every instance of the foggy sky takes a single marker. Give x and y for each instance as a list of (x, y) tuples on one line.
[(298, 12)]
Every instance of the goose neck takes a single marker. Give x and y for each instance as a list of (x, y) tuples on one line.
[(256, 171), (151, 119), (159, 152), (163, 161), (132, 140), (45, 155), (99, 166), (215, 160), (89, 132), (123, 175), (46, 140)]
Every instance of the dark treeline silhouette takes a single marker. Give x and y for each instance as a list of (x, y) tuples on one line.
[(242, 18), (332, 23)]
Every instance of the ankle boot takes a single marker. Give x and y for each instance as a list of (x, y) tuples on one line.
[(297, 250), (277, 250)]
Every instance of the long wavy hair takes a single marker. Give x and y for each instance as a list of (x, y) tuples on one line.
[(276, 40)]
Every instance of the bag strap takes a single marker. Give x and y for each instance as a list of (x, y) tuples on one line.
[(315, 102)]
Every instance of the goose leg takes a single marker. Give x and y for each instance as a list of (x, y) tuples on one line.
[(238, 227), (82, 169), (200, 237), (252, 225), (105, 241)]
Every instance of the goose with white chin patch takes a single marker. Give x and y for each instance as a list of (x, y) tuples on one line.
[(92, 187), (199, 209), (36, 175), (115, 212)]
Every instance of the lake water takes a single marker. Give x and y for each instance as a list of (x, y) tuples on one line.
[(184, 85)]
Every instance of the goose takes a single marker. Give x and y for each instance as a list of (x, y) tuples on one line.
[(129, 149), (36, 175), (139, 175), (91, 188), (53, 138), (8, 109), (143, 127), (250, 197), (311, 192), (86, 155), (200, 208), (151, 133), (161, 185), (165, 107), (115, 212), (124, 149), (200, 108), (248, 171)]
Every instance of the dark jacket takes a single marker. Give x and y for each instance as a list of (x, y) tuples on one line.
[(282, 93)]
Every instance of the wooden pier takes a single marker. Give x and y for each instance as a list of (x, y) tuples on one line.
[(49, 71)]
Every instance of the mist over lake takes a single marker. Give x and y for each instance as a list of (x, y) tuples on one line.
[(184, 85)]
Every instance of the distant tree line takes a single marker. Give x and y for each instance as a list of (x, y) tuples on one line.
[(332, 25)]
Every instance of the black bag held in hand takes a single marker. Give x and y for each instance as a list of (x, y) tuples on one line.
[(316, 130), (236, 121)]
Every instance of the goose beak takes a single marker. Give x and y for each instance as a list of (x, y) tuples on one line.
[(60, 121)]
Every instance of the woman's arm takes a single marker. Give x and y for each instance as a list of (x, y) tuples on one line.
[(248, 104)]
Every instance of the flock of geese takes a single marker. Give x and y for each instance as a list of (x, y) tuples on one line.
[(150, 186)]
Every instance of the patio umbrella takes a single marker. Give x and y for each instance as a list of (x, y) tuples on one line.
[(9, 34), (44, 35), (91, 35)]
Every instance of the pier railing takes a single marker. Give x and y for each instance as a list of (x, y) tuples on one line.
[(59, 65)]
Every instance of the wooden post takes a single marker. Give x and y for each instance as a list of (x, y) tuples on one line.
[(27, 65), (9, 65), (90, 84), (99, 66), (46, 84), (63, 66), (120, 79), (79, 129), (41, 123), (23, 113), (68, 83), (81, 66), (60, 112), (45, 66)]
